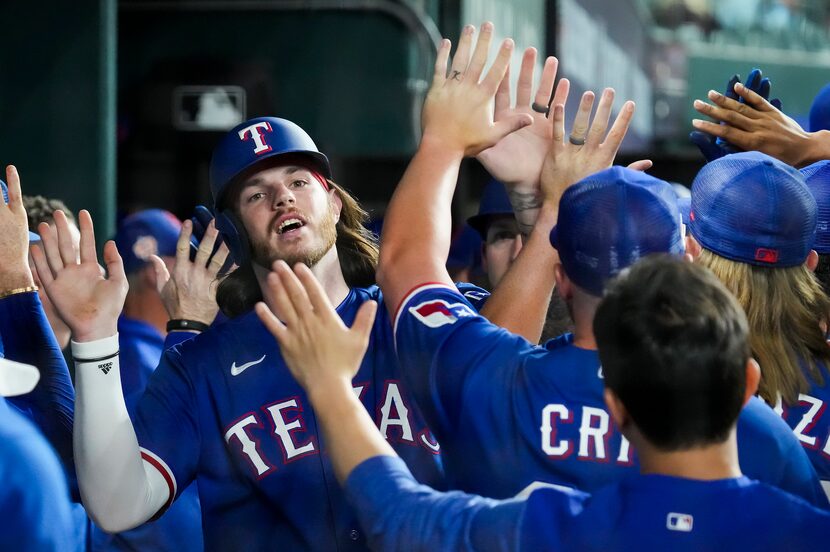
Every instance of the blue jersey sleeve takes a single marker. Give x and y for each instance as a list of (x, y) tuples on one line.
[(449, 353), (174, 338), (476, 296), (398, 513), (34, 504), (166, 425), (28, 338)]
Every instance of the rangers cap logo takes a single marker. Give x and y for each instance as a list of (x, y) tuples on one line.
[(437, 313)]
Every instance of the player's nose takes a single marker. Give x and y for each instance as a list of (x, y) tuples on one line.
[(283, 196)]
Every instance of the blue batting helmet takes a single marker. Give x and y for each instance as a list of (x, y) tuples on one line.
[(243, 147)]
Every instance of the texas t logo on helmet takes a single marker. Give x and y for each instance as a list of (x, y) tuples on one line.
[(255, 131)]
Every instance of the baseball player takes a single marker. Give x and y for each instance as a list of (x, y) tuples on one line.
[(221, 408), (817, 178), (753, 223), (505, 402), (683, 348)]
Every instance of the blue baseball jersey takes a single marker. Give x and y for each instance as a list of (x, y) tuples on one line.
[(810, 422), (34, 503), (508, 413), (180, 528), (643, 512), (224, 410)]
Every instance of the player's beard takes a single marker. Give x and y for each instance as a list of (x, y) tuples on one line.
[(264, 254)]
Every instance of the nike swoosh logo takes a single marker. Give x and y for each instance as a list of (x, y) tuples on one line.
[(236, 370)]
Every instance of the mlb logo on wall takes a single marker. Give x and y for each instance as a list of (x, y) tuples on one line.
[(679, 522), (437, 313)]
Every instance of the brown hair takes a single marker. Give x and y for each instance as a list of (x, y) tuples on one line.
[(42, 209), (786, 309), (357, 249)]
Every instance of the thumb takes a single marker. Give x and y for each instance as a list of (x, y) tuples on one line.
[(363, 322), (162, 275), (115, 266), (510, 125), (641, 165)]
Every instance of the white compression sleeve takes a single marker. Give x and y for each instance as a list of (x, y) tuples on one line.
[(118, 488)]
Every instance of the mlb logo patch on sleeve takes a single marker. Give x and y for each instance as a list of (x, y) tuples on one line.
[(679, 522), (437, 313)]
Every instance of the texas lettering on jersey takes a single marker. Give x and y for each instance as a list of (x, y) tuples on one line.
[(284, 421), (811, 425), (595, 431)]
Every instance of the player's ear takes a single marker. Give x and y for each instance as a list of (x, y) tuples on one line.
[(812, 260), (616, 408), (564, 287), (753, 377), (692, 247), (336, 202)]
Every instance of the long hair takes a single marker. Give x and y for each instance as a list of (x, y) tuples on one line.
[(787, 311), (357, 250)]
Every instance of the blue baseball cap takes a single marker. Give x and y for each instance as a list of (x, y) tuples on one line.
[(494, 203), (817, 177), (33, 237), (752, 208), (820, 110), (146, 233), (611, 219)]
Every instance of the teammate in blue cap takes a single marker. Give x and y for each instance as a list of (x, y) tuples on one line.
[(817, 178), (499, 231), (753, 223)]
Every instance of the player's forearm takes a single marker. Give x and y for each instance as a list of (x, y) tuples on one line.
[(520, 301), (526, 204), (417, 229), (349, 432), (119, 489)]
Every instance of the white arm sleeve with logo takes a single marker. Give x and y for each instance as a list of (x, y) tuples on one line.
[(119, 489)]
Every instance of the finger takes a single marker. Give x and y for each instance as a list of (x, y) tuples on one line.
[(524, 87), (441, 61), (206, 245), (219, 258), (583, 115), (87, 243), (364, 320), (560, 96), (510, 125), (545, 90), (461, 59), (162, 275), (763, 88), (503, 94), (183, 244), (65, 245), (271, 322), (603, 114), (753, 80), (726, 115), (641, 165), (619, 129), (114, 264), (41, 266), (499, 67), (733, 135), (481, 52), (558, 122), (49, 241), (733, 105), (316, 294), (294, 290), (730, 86), (277, 296), (13, 184), (752, 98)]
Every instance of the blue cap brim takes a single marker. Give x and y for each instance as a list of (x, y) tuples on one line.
[(34, 238)]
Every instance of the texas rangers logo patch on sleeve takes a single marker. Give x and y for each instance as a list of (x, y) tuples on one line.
[(437, 313)]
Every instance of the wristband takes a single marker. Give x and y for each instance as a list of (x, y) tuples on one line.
[(15, 291), (181, 324)]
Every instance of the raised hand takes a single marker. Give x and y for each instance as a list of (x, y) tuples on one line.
[(458, 111), (587, 149), (755, 125), (516, 160), (190, 292), (14, 238), (85, 298), (317, 346)]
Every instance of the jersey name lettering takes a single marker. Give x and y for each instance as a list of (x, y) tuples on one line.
[(288, 428), (815, 410), (595, 429)]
